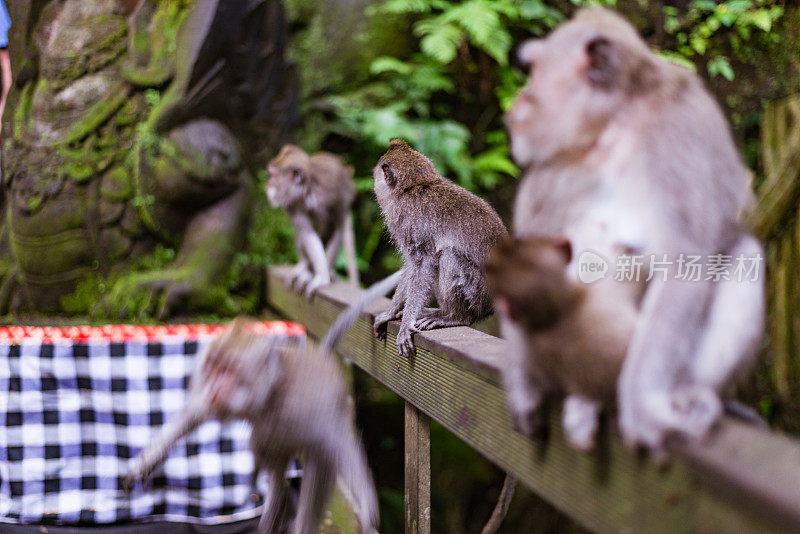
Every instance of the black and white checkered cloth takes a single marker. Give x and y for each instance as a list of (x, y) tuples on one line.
[(75, 407)]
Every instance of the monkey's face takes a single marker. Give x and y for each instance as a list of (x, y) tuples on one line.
[(528, 281), (289, 177), (237, 373), (579, 81), (286, 185)]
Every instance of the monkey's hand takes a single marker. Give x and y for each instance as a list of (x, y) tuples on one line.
[(130, 480), (405, 339), (319, 280), (382, 320), (300, 277)]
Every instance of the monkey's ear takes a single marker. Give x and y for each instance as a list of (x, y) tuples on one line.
[(604, 61), (389, 175), (529, 51), (564, 247)]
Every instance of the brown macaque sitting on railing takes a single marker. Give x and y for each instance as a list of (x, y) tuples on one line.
[(444, 233), (628, 156), (317, 192), (575, 333), (296, 401)]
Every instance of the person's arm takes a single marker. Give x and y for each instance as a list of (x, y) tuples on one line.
[(5, 72)]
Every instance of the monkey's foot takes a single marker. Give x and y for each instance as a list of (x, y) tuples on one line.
[(648, 419), (405, 340), (434, 319), (315, 283), (382, 320), (529, 420), (300, 277), (580, 421), (699, 408)]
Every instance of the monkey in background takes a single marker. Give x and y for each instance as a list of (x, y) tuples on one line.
[(575, 334), (629, 151), (317, 192), (444, 233), (296, 401)]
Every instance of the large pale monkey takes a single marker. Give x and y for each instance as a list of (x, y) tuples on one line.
[(629, 154)]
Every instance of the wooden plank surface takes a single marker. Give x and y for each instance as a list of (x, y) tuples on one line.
[(418, 471), (741, 480)]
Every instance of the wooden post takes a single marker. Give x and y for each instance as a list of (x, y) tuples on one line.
[(418, 471)]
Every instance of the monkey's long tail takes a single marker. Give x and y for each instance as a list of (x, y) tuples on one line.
[(353, 312), (356, 485), (501, 508)]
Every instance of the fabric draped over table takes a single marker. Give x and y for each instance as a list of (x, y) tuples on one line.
[(76, 404)]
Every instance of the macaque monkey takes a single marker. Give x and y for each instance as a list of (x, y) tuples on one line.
[(444, 233), (575, 334), (317, 192), (296, 402), (628, 153)]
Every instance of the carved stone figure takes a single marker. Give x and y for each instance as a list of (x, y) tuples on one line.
[(136, 123)]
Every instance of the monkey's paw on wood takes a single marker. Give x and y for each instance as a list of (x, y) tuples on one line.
[(530, 422), (689, 412), (300, 276), (320, 280), (405, 340), (580, 419)]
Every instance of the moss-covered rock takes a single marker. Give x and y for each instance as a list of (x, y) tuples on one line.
[(128, 194)]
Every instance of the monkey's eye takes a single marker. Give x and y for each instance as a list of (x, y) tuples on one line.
[(296, 174)]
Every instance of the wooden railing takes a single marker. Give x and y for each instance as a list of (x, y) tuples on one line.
[(742, 479)]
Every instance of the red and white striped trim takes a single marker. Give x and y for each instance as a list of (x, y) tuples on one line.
[(128, 332)]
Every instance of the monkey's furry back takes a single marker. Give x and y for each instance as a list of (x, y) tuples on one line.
[(424, 205)]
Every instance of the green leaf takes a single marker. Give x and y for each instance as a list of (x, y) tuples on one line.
[(533, 9), (478, 18), (705, 5), (439, 40), (429, 78), (761, 19), (389, 64), (698, 44), (405, 6), (495, 160), (721, 66), (678, 59), (737, 7)]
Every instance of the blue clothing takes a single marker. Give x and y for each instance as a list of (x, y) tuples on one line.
[(5, 24)]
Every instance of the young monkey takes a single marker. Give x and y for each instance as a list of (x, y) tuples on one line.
[(296, 402), (317, 192), (575, 334), (444, 233), (627, 153)]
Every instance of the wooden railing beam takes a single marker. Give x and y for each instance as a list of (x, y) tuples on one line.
[(418, 471), (742, 479)]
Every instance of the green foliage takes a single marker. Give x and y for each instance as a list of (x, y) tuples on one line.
[(719, 31)]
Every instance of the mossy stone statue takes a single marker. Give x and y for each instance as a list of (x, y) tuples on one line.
[(133, 128)]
